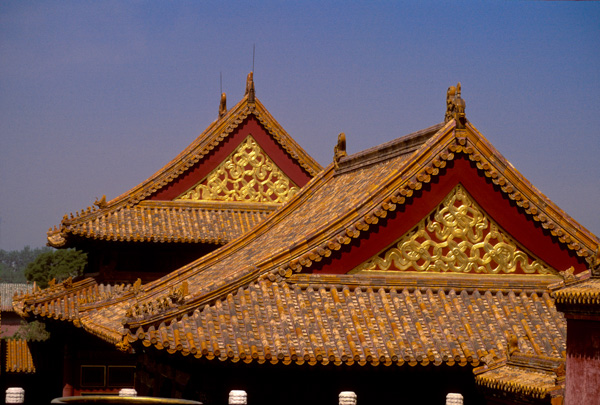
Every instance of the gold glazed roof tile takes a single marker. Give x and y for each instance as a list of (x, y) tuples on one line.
[(170, 222), (517, 380), (125, 219), (18, 356), (586, 292), (282, 322), (336, 208), (578, 290), (68, 300), (330, 212), (524, 375)]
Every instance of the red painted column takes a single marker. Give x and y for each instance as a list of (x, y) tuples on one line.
[(583, 360)]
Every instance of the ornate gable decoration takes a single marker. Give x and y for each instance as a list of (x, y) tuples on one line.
[(247, 175), (457, 237)]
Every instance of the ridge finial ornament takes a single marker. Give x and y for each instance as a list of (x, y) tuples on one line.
[(250, 87), (223, 105), (101, 203), (455, 106), (339, 150), (137, 286)]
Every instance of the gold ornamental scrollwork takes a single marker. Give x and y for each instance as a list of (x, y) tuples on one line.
[(458, 237), (247, 175)]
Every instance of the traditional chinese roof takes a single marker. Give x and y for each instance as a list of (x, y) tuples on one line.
[(584, 292), (8, 291), (201, 196), (18, 356), (524, 376), (320, 323), (579, 294), (68, 300), (431, 248)]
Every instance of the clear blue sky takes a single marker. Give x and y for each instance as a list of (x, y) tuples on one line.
[(95, 96)]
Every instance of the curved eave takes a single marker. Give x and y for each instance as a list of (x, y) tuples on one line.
[(521, 382), (167, 222), (70, 301)]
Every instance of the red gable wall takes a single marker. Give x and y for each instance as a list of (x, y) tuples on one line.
[(497, 205), (200, 170)]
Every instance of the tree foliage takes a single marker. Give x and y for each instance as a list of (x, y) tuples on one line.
[(56, 264), (14, 262), (32, 331)]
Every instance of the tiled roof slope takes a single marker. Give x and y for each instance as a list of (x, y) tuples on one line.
[(8, 291), (332, 211), (337, 208), (283, 322), (250, 301), (579, 293), (171, 222), (18, 356), (524, 376), (584, 292), (126, 218), (69, 301)]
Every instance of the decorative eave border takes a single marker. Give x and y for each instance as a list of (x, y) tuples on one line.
[(578, 295), (517, 284), (518, 388)]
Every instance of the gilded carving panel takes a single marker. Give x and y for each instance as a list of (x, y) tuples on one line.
[(247, 175), (457, 237)]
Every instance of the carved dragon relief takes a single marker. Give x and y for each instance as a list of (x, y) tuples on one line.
[(247, 175), (457, 237)]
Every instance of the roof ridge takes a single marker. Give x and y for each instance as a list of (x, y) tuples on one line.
[(400, 146)]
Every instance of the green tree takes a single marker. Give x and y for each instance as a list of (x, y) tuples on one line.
[(57, 264), (32, 331), (14, 262)]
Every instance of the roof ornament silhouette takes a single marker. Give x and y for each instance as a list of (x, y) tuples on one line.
[(339, 150), (223, 106), (101, 203), (455, 106)]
